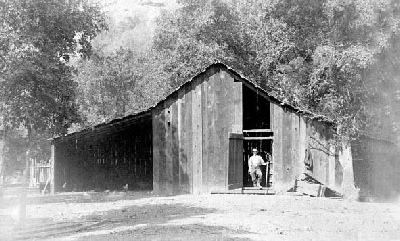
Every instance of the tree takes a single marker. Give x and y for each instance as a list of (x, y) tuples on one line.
[(321, 56), (107, 86), (123, 75), (38, 38), (194, 35), (340, 43)]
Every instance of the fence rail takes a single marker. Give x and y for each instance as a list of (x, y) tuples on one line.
[(39, 173)]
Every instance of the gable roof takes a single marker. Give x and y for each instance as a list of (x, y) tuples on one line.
[(236, 74), (242, 78)]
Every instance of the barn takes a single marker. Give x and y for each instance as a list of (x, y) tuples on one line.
[(198, 140)]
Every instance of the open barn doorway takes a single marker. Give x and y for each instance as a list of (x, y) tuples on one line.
[(264, 148), (257, 134)]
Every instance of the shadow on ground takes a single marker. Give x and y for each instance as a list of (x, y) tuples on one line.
[(177, 232), (155, 222), (35, 197), (143, 221)]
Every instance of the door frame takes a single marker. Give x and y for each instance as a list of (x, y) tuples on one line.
[(267, 179)]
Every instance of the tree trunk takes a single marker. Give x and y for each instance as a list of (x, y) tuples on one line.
[(22, 210)]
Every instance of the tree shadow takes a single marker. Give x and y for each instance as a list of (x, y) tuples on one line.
[(35, 198), (176, 232), (161, 221)]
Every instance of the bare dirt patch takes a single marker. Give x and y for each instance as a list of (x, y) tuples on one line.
[(143, 216)]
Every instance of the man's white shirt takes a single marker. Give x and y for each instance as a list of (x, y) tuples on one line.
[(255, 162)]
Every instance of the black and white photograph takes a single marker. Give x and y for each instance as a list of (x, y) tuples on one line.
[(244, 120)]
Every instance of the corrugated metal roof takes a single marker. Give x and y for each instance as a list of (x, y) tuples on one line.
[(203, 70)]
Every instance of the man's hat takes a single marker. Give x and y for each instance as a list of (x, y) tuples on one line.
[(254, 149)]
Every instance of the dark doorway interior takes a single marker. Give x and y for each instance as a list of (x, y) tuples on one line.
[(264, 148), (256, 110), (257, 133)]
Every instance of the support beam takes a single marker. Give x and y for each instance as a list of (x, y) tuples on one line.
[(259, 138), (257, 130)]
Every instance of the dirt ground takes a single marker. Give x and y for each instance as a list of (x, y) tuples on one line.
[(143, 216)]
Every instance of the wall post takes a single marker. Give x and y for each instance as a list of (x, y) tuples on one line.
[(52, 169)]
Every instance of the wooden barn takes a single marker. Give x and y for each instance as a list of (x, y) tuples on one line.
[(198, 140)]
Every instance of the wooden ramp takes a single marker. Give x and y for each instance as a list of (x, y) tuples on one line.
[(311, 186), (248, 190)]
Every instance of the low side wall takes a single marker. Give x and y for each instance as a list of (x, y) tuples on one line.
[(110, 159)]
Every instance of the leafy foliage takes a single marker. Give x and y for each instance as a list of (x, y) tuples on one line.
[(332, 57), (107, 86), (37, 90), (39, 38), (318, 55)]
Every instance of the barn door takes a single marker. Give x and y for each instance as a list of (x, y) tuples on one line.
[(235, 164)]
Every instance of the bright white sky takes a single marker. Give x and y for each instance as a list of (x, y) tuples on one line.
[(120, 11)]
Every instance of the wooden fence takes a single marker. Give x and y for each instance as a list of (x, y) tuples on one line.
[(39, 173)]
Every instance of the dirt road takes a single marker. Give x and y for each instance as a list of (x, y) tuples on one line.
[(142, 216)]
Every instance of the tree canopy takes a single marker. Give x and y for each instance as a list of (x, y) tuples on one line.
[(332, 57), (321, 56), (37, 40), (37, 90)]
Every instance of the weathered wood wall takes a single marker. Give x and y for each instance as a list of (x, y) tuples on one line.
[(189, 142), (108, 159), (321, 152), (235, 167), (191, 134), (192, 151), (301, 145)]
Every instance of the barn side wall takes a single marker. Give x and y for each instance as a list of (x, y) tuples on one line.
[(302, 146), (109, 159), (191, 134), (288, 146), (320, 152)]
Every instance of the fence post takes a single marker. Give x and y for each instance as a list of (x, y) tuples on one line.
[(52, 164)]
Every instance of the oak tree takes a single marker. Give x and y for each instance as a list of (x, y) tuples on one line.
[(37, 40)]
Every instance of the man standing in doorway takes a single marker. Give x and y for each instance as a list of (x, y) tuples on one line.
[(255, 163)]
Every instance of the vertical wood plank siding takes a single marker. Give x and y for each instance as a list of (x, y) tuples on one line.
[(188, 125), (107, 159), (159, 141), (181, 144), (207, 109), (192, 143), (277, 145), (156, 150), (297, 138), (303, 143), (203, 112), (197, 131), (235, 165), (175, 146), (169, 142)]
